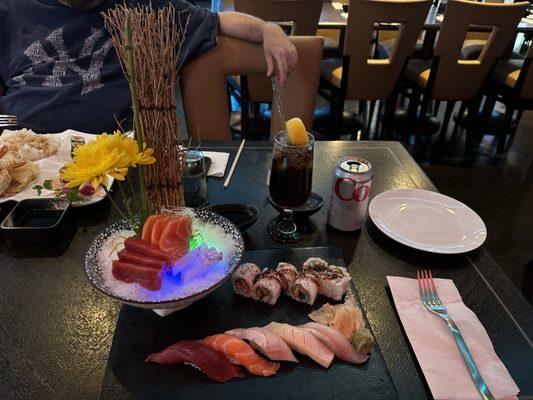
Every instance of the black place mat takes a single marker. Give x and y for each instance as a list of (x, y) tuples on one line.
[(141, 332)]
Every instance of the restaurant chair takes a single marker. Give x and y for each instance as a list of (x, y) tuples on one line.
[(302, 15), (447, 76), (511, 84), (203, 84), (358, 76)]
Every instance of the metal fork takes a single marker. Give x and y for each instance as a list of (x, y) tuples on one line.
[(431, 300), (8, 120)]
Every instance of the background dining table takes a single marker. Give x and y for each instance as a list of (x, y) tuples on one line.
[(334, 18), (56, 330)]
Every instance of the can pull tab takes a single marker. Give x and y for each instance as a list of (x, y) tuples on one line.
[(354, 166)]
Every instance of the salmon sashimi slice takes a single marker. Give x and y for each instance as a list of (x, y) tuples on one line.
[(149, 278), (159, 226), (212, 363), (268, 343), (140, 246), (140, 259), (303, 342), (176, 236), (148, 226), (239, 352)]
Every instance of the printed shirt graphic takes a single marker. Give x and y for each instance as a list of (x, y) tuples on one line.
[(60, 68)]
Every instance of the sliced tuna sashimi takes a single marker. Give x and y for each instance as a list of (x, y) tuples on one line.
[(239, 352), (149, 278), (140, 246), (336, 342), (212, 363), (140, 259), (268, 343), (303, 342)]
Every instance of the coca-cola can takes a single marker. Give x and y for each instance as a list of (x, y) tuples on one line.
[(350, 190)]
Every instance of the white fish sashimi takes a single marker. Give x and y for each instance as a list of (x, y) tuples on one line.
[(268, 343), (303, 342), (336, 342)]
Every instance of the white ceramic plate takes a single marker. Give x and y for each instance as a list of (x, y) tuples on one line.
[(49, 169), (427, 221)]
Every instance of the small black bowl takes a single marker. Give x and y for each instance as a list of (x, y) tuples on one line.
[(313, 205), (242, 215), (36, 220)]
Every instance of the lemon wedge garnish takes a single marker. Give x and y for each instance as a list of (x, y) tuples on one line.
[(297, 132)]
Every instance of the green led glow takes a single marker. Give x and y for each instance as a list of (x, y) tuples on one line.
[(196, 240)]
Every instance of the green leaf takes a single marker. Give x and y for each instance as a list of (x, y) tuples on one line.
[(48, 185), (73, 195), (39, 189)]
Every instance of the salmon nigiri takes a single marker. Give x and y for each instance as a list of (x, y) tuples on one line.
[(239, 352), (176, 235)]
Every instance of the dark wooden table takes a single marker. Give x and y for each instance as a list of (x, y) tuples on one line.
[(56, 330), (331, 17)]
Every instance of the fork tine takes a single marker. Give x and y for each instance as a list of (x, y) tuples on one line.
[(420, 292), (434, 289), (426, 285)]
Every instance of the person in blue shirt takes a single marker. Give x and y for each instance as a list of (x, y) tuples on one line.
[(59, 70)]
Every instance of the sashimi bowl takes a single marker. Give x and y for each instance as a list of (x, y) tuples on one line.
[(175, 290)]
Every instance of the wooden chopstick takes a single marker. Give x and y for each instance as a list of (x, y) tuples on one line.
[(226, 183)]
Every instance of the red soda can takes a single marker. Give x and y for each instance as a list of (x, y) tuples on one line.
[(350, 190)]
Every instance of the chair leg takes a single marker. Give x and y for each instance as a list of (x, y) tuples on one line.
[(446, 121), (471, 130), (424, 106), (507, 120), (412, 108), (515, 126), (458, 121), (370, 116)]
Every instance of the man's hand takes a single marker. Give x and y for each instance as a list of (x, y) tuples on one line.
[(281, 55)]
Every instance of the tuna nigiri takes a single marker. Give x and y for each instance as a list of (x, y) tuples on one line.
[(303, 342), (268, 343), (239, 352), (336, 342), (210, 362)]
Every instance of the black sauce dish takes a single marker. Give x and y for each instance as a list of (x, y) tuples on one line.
[(36, 221), (242, 215)]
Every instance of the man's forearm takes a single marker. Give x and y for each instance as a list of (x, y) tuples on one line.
[(241, 26)]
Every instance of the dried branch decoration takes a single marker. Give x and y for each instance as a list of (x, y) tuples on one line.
[(148, 43)]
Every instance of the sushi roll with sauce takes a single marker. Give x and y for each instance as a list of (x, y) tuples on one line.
[(315, 264), (287, 274), (244, 280), (305, 288), (268, 287), (332, 282)]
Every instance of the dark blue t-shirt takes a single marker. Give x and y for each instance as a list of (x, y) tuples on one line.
[(60, 68)]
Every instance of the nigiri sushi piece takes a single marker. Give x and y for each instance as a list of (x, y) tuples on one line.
[(287, 274), (213, 364), (244, 279), (304, 289), (303, 342), (336, 342), (240, 352), (267, 287), (268, 343)]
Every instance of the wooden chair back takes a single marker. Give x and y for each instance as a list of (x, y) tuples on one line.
[(455, 79), (203, 84), (371, 79)]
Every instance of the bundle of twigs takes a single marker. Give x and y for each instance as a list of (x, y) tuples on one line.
[(148, 43)]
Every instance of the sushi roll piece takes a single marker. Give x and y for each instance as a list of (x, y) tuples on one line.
[(305, 288), (244, 279), (268, 287), (287, 274), (332, 282), (315, 264)]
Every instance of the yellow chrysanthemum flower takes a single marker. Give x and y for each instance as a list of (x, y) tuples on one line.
[(107, 155)]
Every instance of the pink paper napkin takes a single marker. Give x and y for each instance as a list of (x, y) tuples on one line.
[(435, 348)]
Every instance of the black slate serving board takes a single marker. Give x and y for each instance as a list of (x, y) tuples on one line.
[(141, 332)]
